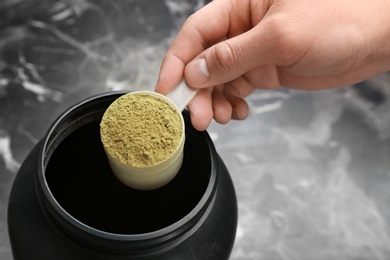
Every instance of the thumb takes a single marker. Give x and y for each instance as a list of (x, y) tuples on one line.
[(228, 60)]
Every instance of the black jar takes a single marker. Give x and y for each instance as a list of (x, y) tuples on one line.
[(66, 203)]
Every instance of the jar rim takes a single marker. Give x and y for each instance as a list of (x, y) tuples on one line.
[(59, 130)]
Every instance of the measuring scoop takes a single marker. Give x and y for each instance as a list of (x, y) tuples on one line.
[(150, 177)]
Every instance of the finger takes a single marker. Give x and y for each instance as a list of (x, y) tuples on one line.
[(201, 111), (222, 109), (264, 77), (217, 21), (240, 109), (229, 59), (171, 73), (211, 24), (240, 87)]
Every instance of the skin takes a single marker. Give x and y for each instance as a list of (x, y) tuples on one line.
[(229, 48)]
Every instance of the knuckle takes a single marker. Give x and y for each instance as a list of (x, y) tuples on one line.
[(286, 41), (224, 58)]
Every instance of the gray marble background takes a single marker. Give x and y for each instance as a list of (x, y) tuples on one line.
[(311, 169)]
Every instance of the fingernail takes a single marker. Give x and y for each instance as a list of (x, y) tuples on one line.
[(197, 72), (236, 115)]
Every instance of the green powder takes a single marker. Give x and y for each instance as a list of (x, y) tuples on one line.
[(140, 130)]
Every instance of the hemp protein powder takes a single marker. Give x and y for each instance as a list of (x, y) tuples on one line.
[(140, 130)]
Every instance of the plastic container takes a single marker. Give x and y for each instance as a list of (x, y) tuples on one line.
[(151, 176), (66, 203)]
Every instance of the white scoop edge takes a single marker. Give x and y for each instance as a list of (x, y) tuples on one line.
[(182, 94)]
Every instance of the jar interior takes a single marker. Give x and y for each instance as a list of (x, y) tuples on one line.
[(81, 181)]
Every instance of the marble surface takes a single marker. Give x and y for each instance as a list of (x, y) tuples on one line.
[(311, 169)]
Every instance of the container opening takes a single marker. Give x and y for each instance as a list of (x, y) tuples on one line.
[(80, 179)]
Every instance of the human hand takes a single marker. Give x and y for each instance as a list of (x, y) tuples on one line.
[(229, 48)]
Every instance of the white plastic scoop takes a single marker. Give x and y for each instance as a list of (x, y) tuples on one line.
[(182, 94), (156, 176)]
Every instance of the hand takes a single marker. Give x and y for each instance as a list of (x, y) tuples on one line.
[(229, 48)]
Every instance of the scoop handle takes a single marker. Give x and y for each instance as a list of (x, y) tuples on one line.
[(182, 94)]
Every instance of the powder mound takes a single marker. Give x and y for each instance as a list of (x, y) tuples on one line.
[(140, 130)]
